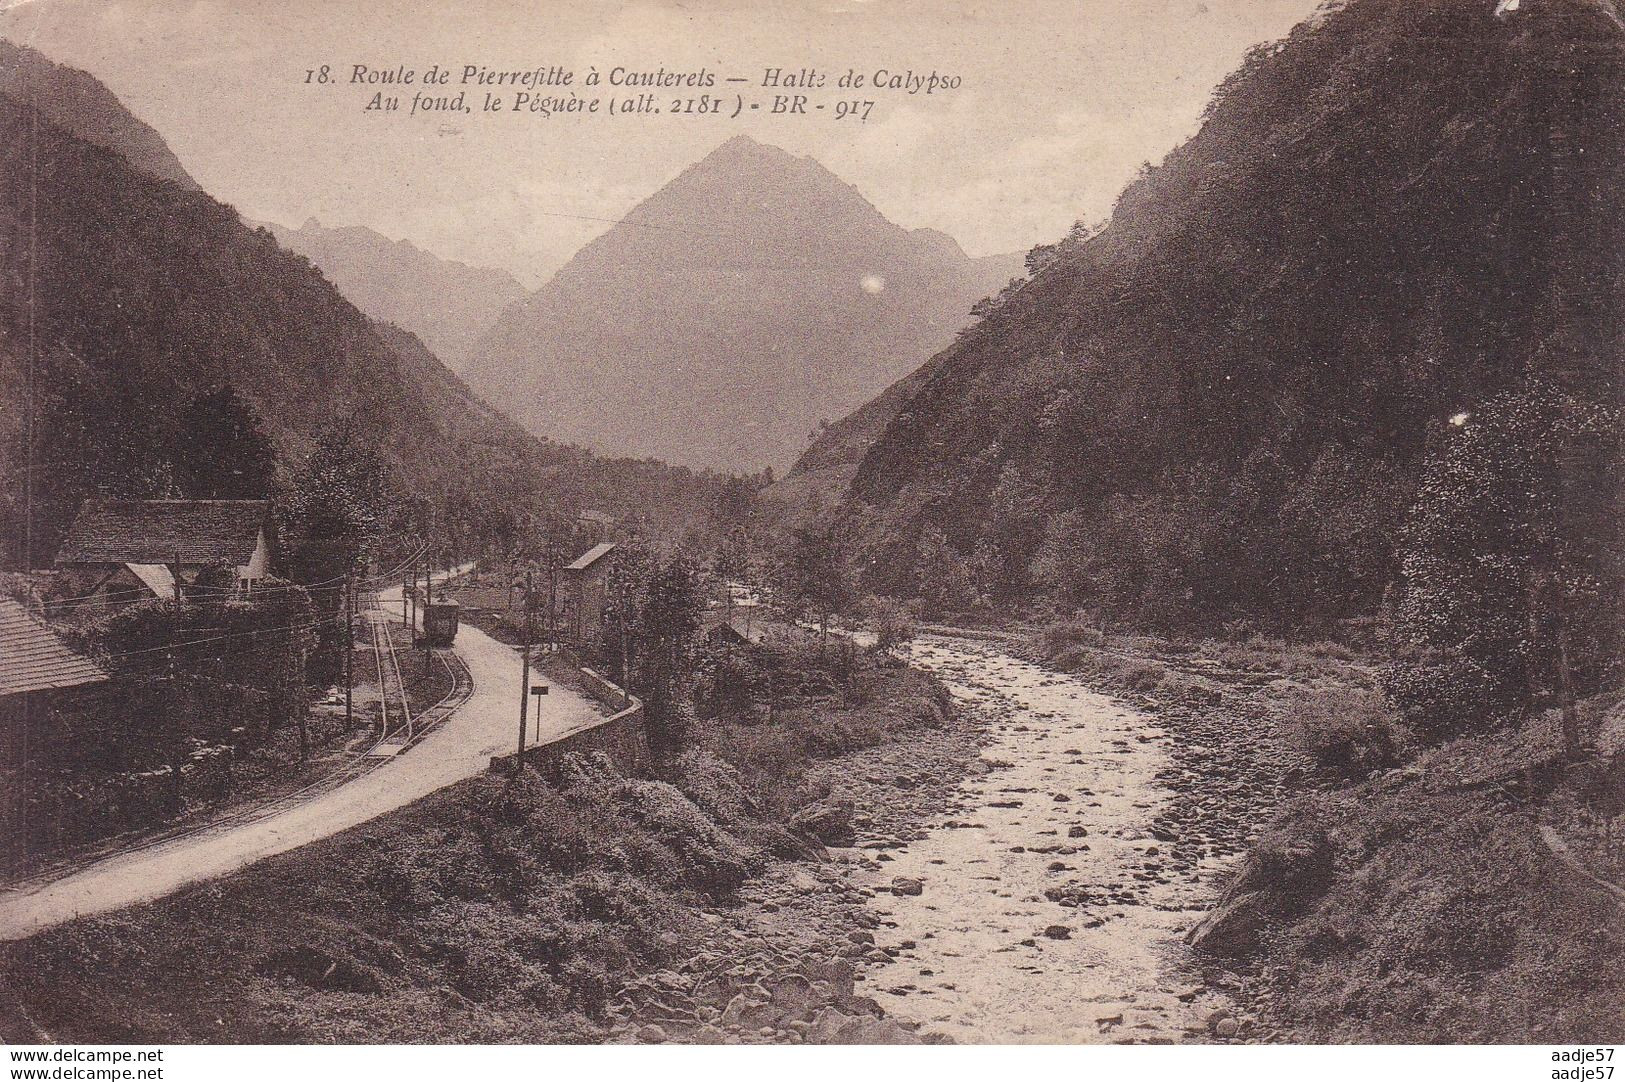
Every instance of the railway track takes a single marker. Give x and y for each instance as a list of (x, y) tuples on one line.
[(354, 766), (391, 685)]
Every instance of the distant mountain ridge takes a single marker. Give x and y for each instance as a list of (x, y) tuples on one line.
[(79, 103), (754, 296), (449, 305)]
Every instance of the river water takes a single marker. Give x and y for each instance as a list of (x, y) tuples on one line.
[(988, 952)]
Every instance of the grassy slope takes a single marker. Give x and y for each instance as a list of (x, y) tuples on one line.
[(1447, 919), (487, 912), (493, 911)]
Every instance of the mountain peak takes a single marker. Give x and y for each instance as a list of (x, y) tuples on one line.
[(78, 103), (731, 311), (743, 146)]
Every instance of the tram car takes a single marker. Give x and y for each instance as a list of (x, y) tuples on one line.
[(440, 623)]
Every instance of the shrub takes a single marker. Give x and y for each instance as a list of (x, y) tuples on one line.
[(891, 621), (729, 681), (1066, 635), (1142, 676), (1347, 731)]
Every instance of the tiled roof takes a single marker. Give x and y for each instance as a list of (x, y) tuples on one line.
[(591, 556), (32, 658), (155, 531)]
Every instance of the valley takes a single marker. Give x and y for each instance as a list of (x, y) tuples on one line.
[(648, 593)]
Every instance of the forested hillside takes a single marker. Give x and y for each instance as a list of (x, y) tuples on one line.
[(128, 304), (78, 102), (1221, 405)]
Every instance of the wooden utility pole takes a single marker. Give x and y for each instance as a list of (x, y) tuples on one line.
[(626, 679), (428, 598), (349, 656), (404, 618), (524, 680), (553, 597)]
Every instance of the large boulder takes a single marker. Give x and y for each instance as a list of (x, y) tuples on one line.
[(828, 821), (1233, 927), (1280, 879)]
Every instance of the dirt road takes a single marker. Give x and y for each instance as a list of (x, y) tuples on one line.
[(461, 747)]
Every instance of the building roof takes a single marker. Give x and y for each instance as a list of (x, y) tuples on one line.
[(32, 658), (742, 624), (155, 577), (156, 531), (591, 556)]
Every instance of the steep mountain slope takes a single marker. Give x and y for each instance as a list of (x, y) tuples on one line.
[(822, 476), (1218, 405), (447, 304), (73, 100), (124, 299), (752, 297)]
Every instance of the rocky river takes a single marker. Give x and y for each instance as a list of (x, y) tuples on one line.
[(1024, 874)]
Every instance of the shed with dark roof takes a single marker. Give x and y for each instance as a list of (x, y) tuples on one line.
[(584, 594), (52, 699), (141, 546)]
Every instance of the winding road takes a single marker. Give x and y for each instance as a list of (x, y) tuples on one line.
[(460, 747)]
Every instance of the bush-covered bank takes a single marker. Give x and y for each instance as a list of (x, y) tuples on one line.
[(1391, 891), (497, 910), (776, 711), (1423, 905)]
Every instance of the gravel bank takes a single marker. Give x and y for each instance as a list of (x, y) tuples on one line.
[(1024, 874)]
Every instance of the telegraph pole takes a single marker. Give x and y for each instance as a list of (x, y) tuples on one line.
[(626, 676), (553, 598), (349, 655), (428, 597), (524, 680)]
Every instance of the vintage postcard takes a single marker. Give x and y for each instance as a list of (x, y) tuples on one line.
[(817, 522)]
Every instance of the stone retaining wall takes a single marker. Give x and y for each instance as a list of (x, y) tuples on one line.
[(621, 736)]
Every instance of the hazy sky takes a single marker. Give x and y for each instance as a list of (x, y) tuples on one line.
[(1060, 104)]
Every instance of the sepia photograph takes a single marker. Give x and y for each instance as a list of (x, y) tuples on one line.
[(600, 523)]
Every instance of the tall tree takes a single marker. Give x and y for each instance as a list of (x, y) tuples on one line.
[(943, 575), (337, 507), (668, 621), (220, 449), (814, 574), (1510, 565)]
